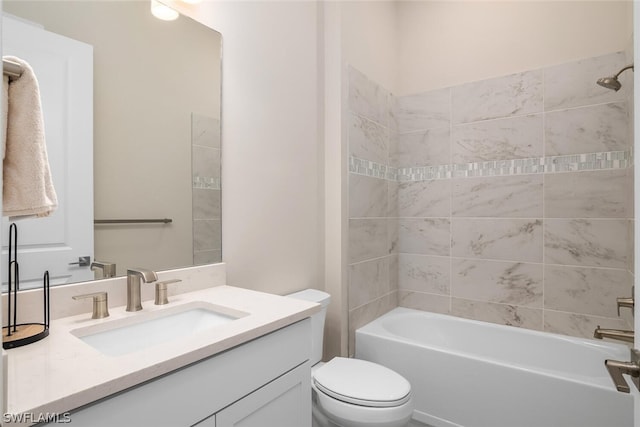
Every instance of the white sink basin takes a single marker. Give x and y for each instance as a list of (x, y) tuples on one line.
[(144, 330)]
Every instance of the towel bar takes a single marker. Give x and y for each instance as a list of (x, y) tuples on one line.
[(11, 69), (133, 221)]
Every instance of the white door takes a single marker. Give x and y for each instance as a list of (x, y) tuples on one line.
[(64, 69)]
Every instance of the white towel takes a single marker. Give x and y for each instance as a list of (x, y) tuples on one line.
[(27, 189)]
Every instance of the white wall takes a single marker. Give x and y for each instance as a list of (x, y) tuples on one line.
[(271, 156), (335, 183), (445, 43), (370, 40)]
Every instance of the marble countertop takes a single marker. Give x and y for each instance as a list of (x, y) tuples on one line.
[(61, 372)]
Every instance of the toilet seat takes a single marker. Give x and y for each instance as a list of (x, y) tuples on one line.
[(362, 383)]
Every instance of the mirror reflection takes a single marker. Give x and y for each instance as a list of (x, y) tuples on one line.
[(131, 106)]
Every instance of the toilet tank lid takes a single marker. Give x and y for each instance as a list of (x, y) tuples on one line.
[(312, 295)]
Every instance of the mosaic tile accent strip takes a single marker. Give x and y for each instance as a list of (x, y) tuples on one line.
[(499, 168), (424, 173), (206, 183), (592, 161), (372, 169), (551, 164)]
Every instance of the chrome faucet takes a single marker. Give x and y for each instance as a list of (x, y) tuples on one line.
[(614, 334), (134, 277)]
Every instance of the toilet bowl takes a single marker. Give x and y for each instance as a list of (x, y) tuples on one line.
[(351, 392), (357, 393)]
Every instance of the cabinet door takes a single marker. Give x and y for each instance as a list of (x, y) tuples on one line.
[(284, 402), (209, 422)]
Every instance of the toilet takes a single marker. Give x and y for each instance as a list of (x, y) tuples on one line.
[(351, 392)]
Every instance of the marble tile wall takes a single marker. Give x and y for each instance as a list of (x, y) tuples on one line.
[(373, 251), (205, 167), (513, 199), (629, 82)]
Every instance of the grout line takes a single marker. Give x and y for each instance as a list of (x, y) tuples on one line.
[(379, 258), (499, 303), (585, 314), (515, 116), (512, 218), (371, 301), (544, 222), (511, 261), (451, 203), (206, 146), (578, 107)]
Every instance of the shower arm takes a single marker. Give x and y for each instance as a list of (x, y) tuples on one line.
[(625, 68)]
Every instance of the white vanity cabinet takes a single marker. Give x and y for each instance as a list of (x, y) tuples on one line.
[(276, 404), (264, 382)]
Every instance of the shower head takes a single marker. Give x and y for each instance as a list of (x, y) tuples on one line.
[(613, 82), (610, 83)]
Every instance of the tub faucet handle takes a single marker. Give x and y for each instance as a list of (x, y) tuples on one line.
[(625, 302), (617, 368)]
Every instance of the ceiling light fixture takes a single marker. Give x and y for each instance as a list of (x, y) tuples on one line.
[(162, 11)]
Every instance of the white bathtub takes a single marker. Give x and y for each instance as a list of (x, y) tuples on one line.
[(476, 374)]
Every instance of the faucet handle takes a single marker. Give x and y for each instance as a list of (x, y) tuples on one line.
[(161, 291), (625, 302), (100, 304), (108, 268), (616, 368)]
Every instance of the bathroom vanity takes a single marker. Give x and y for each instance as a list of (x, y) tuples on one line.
[(252, 370), (257, 383)]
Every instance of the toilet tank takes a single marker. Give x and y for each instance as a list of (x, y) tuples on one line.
[(317, 320)]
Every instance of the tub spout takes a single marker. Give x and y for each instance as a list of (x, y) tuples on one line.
[(614, 334)]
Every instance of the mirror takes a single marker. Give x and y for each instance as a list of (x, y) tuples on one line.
[(156, 138)]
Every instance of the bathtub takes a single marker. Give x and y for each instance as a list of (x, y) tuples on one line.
[(476, 374)]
